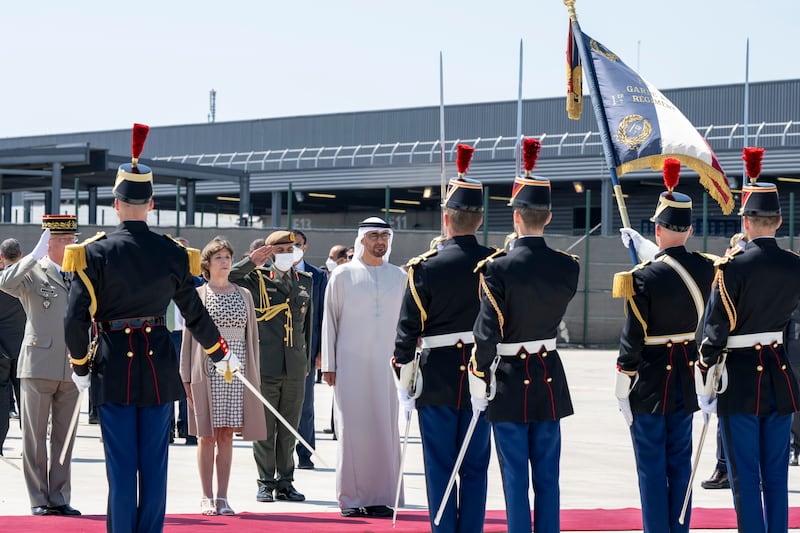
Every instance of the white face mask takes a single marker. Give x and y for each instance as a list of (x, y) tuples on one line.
[(283, 262), (298, 254), (331, 264)]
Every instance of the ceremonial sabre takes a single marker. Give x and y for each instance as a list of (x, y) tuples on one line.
[(413, 390), (442, 176), (518, 144), (280, 417), (463, 451), (694, 469), (73, 427), (460, 459), (400, 475)]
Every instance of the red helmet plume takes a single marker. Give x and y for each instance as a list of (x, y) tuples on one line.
[(672, 172), (530, 153), (463, 158)]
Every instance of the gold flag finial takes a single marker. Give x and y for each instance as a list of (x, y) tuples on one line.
[(571, 9)]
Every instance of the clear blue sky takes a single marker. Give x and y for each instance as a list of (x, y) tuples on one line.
[(96, 65)]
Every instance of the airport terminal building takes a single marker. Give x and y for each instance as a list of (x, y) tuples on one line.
[(324, 173), (328, 171)]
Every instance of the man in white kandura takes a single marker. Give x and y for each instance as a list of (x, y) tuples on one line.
[(362, 305)]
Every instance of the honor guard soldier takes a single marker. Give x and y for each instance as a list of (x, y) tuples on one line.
[(524, 295), (744, 374), (121, 288), (282, 297), (438, 311), (665, 300)]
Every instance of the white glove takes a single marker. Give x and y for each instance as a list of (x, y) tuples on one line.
[(708, 404), (407, 403), (82, 382), (231, 362), (479, 405), (40, 250), (645, 249), (625, 409)]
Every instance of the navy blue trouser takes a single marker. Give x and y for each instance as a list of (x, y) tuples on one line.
[(306, 427), (757, 448), (443, 430), (537, 444), (136, 445), (662, 445), (182, 424)]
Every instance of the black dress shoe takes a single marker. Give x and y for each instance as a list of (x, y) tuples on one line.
[(305, 463), (351, 512), (380, 511), (264, 495), (191, 440), (290, 494), (41, 510), (718, 480), (65, 510)]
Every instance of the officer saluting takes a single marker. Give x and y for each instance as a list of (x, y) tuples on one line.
[(665, 299), (123, 284), (524, 295), (755, 293), (440, 306)]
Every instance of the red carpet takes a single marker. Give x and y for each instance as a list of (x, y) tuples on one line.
[(628, 519)]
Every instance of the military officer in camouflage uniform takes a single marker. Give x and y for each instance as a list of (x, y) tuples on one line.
[(282, 296)]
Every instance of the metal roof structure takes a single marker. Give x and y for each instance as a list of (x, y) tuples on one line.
[(361, 153)]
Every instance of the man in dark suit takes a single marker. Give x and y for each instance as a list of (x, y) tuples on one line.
[(283, 297), (320, 281), (665, 301), (438, 312), (755, 293), (12, 329), (524, 295), (123, 284)]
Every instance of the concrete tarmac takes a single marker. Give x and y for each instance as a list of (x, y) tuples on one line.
[(597, 463)]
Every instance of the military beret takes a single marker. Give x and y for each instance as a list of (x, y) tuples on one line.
[(280, 237)]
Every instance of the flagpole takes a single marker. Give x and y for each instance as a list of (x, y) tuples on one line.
[(746, 92), (517, 145), (441, 139), (600, 116)]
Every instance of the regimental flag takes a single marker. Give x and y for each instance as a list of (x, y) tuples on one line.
[(644, 127)]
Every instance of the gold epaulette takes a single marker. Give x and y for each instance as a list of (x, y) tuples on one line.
[(194, 256), (711, 257), (574, 257), (727, 257), (622, 287), (498, 252), (414, 261), (792, 252), (436, 242), (194, 261), (304, 273), (75, 254)]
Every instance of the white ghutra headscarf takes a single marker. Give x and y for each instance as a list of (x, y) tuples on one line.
[(372, 224)]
